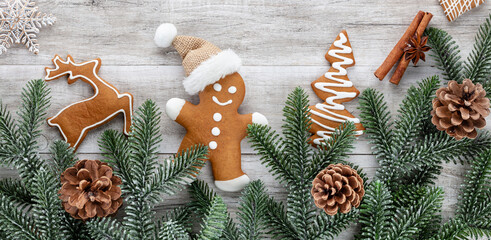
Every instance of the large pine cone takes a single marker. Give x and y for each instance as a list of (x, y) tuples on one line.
[(337, 187), (459, 109), (90, 189)]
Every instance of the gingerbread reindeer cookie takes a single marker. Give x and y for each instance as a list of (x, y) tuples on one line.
[(335, 88), (215, 121), (76, 119)]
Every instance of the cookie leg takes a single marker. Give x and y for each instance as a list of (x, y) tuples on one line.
[(127, 104), (233, 185), (187, 142), (227, 170), (73, 135)]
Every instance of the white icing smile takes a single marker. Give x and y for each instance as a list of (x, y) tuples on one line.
[(215, 99)]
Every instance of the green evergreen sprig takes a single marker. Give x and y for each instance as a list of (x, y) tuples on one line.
[(251, 214), (478, 64), (294, 163), (145, 179), (29, 207), (473, 215), (402, 203), (412, 151)]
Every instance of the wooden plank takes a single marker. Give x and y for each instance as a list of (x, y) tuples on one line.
[(161, 83), (288, 32)]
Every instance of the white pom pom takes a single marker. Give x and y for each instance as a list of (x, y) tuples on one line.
[(165, 34)]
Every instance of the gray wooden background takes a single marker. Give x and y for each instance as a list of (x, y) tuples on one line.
[(282, 45)]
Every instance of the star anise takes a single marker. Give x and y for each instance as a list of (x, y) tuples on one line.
[(416, 48)]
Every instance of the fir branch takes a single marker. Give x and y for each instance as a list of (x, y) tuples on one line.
[(422, 163), (301, 213), (139, 218), (293, 162), (175, 173), (377, 121), (106, 229), (231, 231), (296, 133), (144, 139), (450, 230), (277, 221), (417, 216), (35, 101), (14, 222), (328, 227), (413, 112), (251, 211), (336, 148), (142, 150), (115, 149), (446, 53), (376, 212), (474, 202), (475, 233), (214, 222), (202, 196), (269, 145), (9, 137), (180, 215), (171, 230), (75, 229), (17, 191), (62, 158), (478, 65), (47, 211)]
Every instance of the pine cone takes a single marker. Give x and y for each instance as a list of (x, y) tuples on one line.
[(90, 189), (337, 187), (459, 109)]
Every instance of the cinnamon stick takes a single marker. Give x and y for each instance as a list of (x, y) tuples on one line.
[(398, 49), (401, 68)]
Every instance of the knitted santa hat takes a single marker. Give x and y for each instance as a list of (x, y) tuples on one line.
[(203, 62)]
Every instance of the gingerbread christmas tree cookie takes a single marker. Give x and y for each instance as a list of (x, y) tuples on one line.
[(214, 122), (454, 8), (335, 88)]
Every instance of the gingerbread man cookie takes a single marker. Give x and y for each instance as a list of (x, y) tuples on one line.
[(335, 88), (213, 122), (76, 119)]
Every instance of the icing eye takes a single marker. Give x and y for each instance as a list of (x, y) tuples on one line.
[(232, 89), (217, 87)]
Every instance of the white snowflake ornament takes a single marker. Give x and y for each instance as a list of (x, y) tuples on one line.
[(20, 21)]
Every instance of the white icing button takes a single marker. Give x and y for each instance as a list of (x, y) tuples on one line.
[(232, 89), (213, 145), (217, 87), (217, 117), (215, 131)]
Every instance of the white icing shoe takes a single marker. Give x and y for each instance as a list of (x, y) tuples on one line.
[(233, 185)]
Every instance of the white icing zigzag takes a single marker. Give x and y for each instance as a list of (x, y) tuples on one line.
[(324, 86)]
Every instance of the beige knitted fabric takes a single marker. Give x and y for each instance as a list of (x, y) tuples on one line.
[(194, 51)]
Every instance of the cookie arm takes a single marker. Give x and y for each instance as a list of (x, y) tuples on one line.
[(254, 118), (259, 119), (173, 107)]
